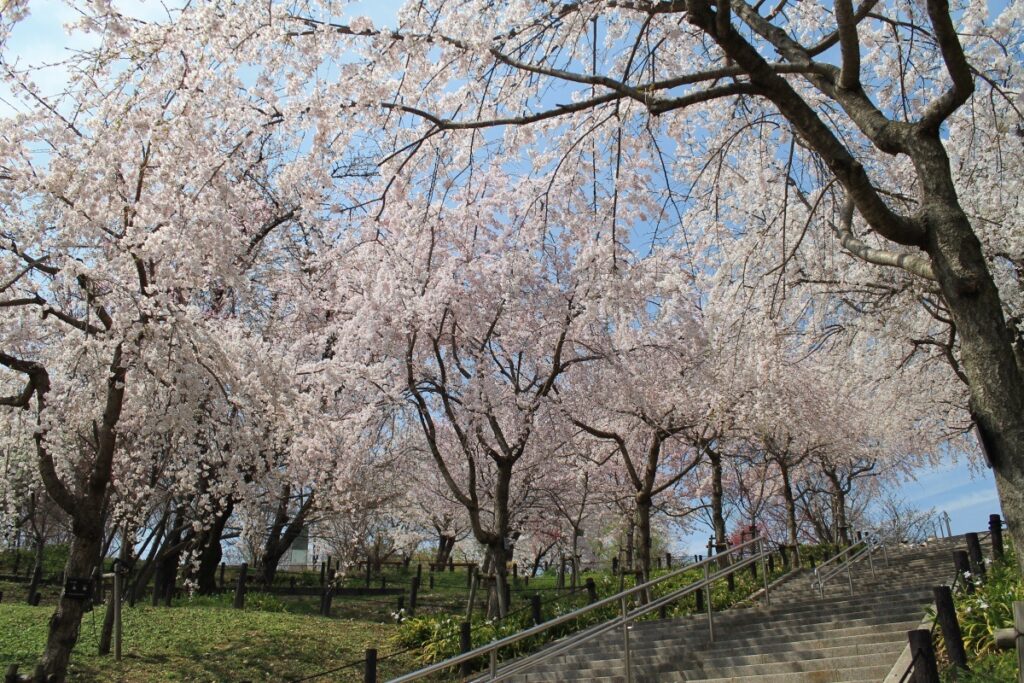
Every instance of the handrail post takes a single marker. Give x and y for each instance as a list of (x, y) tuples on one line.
[(849, 574), (707, 588), (625, 641), (817, 580), (494, 663), (764, 573), (871, 561)]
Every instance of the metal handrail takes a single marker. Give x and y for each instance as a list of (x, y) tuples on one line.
[(846, 559), (625, 616)]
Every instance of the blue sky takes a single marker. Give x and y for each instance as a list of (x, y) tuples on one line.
[(966, 492)]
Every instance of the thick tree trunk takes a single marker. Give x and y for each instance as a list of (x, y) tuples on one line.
[(210, 554), (500, 545), (643, 527), (445, 545), (167, 562), (66, 621), (839, 498), (986, 343)]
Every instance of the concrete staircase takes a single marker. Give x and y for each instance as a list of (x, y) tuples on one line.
[(801, 638)]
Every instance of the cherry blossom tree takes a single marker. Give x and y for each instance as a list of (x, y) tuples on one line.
[(862, 107)]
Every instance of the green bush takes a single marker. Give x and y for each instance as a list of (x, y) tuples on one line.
[(981, 614), (990, 607)]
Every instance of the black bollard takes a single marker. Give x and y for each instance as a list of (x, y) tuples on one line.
[(591, 591), (945, 614), (414, 589), (963, 568), (926, 670), (239, 602), (995, 527), (699, 597), (974, 552), (535, 608), (465, 645), (370, 668)]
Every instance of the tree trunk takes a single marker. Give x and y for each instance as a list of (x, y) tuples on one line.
[(630, 540), (717, 498), (445, 545), (37, 570), (499, 548), (643, 527), (839, 497), (787, 496), (210, 554), (986, 343), (66, 620), (107, 632)]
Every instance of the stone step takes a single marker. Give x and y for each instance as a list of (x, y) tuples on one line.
[(794, 666), (799, 638), (751, 630)]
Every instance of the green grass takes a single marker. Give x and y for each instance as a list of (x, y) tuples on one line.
[(205, 643), (282, 638)]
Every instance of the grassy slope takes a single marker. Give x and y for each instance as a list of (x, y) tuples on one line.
[(204, 644)]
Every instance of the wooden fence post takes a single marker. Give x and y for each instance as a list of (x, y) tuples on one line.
[(974, 551), (699, 597), (118, 571), (668, 560), (239, 602), (414, 589), (963, 567), (370, 669), (995, 527), (926, 670), (1018, 624), (591, 590), (222, 566), (465, 645), (945, 614), (12, 674)]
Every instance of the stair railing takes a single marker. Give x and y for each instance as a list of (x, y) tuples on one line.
[(844, 561), (758, 553)]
